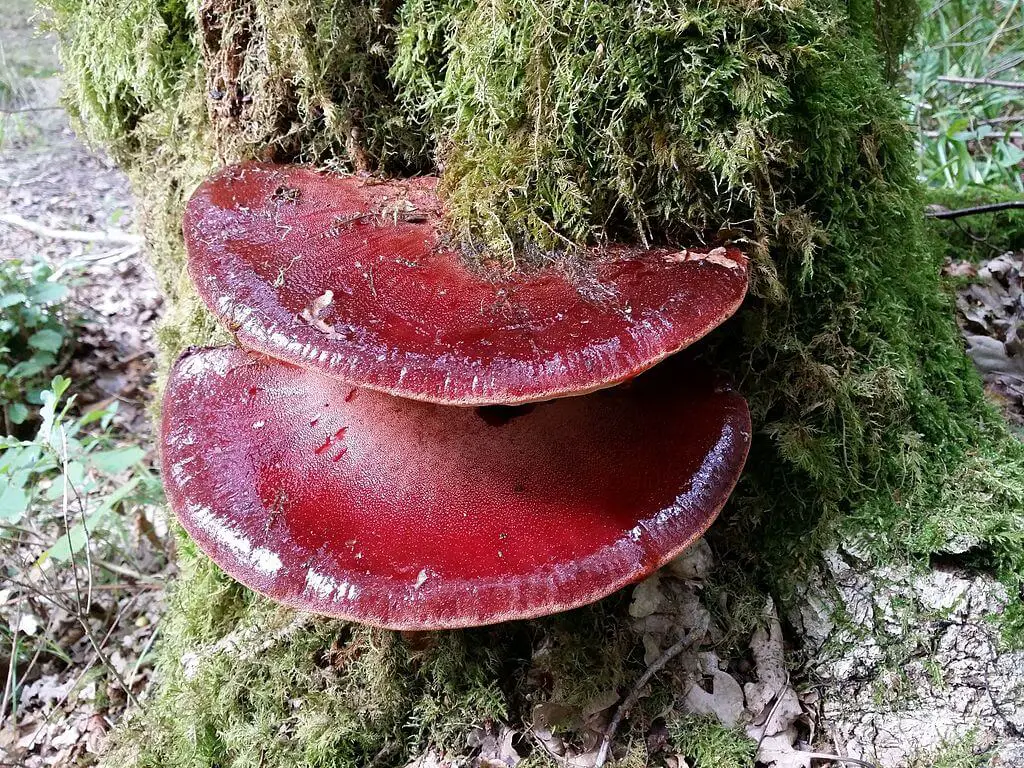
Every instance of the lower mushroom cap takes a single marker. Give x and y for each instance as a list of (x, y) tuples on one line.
[(408, 515)]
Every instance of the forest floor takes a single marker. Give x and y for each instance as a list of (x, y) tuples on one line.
[(79, 635), (934, 685)]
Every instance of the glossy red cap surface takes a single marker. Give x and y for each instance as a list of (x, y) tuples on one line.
[(409, 515), (346, 275)]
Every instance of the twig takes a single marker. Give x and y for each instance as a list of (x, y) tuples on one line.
[(971, 236), (1002, 28), (39, 650), (22, 110), (835, 758), (139, 586), (102, 658), (67, 523), (773, 710), (77, 235), (977, 209), (26, 182), (12, 670), (990, 137), (92, 662), (83, 612), (121, 570), (142, 655), (680, 645), (105, 259), (1014, 84)]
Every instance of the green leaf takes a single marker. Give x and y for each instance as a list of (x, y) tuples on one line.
[(13, 503), (51, 399), (116, 460), (17, 413), (48, 293), (60, 385), (32, 367), (91, 416), (18, 455), (10, 299), (70, 543), (47, 340), (76, 482), (78, 536)]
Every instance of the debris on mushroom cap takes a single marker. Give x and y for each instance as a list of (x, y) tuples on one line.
[(409, 515), (349, 276)]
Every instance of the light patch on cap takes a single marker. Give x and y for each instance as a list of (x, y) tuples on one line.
[(195, 366), (260, 558), (420, 578), (324, 587)]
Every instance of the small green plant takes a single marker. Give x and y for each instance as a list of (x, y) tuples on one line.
[(33, 331), (962, 752), (68, 499), (969, 134), (75, 470)]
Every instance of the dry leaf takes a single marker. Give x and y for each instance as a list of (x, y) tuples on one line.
[(778, 750), (694, 563), (647, 598), (769, 662), (724, 701)]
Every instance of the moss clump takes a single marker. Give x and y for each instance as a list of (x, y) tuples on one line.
[(964, 752), (705, 743), (559, 124), (246, 683), (307, 80), (568, 122)]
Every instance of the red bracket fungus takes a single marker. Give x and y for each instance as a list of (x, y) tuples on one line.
[(306, 480), (350, 276), (410, 515)]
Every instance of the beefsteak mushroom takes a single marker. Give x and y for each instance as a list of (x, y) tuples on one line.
[(409, 515), (350, 276)]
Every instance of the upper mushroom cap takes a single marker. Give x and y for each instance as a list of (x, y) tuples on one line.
[(409, 515), (349, 276)]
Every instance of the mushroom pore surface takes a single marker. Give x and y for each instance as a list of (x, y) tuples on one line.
[(409, 515)]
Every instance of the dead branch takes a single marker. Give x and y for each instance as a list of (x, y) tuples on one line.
[(975, 210), (9, 685), (77, 235), (686, 641), (972, 81), (23, 110)]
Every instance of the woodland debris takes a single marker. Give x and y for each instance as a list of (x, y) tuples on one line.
[(109, 236), (991, 314)]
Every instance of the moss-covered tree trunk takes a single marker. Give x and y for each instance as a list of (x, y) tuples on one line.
[(560, 123)]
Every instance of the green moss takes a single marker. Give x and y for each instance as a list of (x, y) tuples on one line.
[(246, 683), (561, 124), (708, 744), (955, 753)]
